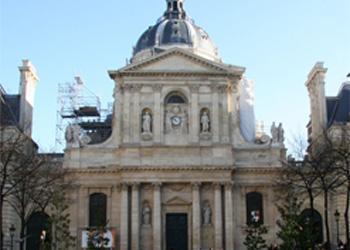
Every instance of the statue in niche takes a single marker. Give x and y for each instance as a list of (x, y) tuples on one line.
[(146, 214), (146, 122), (206, 214), (205, 122)]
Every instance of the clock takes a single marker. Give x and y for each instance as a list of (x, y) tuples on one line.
[(176, 120)]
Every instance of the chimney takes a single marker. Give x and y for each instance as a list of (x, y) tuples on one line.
[(27, 86), (316, 87)]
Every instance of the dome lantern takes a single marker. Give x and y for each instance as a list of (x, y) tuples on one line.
[(174, 29), (175, 9)]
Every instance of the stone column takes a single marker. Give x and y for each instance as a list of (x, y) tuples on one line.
[(218, 217), (215, 123), (196, 216), (194, 122), (157, 113), (124, 225), (157, 217), (135, 217), (229, 240)]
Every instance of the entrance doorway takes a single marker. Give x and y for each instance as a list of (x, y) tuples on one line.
[(176, 232)]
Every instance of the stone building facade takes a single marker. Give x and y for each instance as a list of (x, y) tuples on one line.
[(330, 115), (177, 171)]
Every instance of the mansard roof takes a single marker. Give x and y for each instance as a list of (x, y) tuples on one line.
[(9, 108), (338, 107)]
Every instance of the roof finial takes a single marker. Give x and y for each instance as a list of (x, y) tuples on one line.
[(175, 9)]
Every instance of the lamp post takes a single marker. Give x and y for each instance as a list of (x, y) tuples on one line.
[(12, 234), (337, 216)]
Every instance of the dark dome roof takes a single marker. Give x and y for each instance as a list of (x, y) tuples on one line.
[(174, 29)]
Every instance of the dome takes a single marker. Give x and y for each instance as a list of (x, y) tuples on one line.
[(175, 29)]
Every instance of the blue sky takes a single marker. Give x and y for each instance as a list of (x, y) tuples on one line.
[(277, 41)]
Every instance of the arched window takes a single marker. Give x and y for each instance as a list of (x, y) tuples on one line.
[(175, 97), (255, 213), (37, 222), (97, 210), (317, 227)]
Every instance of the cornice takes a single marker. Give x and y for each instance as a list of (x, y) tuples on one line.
[(119, 169), (262, 170)]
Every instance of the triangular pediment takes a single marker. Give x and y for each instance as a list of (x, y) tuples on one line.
[(179, 61), (177, 201)]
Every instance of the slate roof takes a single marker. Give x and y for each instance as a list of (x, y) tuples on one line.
[(9, 108), (338, 107)]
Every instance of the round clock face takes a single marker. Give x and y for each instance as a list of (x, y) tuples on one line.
[(175, 120)]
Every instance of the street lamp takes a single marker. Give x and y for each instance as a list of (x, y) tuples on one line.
[(337, 216), (12, 234)]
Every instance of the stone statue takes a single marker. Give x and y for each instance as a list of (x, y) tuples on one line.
[(274, 133), (280, 133), (75, 136), (146, 215), (205, 122), (146, 122), (206, 215)]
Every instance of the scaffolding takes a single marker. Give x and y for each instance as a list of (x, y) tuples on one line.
[(77, 104)]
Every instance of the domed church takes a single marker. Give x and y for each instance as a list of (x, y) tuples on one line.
[(184, 167)]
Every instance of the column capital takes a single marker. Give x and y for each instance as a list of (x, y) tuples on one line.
[(157, 87), (228, 184), (126, 87), (196, 185), (217, 185), (156, 185), (123, 186), (194, 88), (135, 185)]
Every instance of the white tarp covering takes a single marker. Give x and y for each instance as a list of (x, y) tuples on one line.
[(246, 111)]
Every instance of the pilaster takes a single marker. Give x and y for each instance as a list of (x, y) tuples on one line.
[(229, 240), (135, 216), (157, 113), (225, 115), (216, 117), (157, 217), (194, 129), (124, 222), (218, 217), (196, 217), (126, 114), (136, 113)]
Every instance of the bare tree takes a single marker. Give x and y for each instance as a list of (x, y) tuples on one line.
[(36, 190), (341, 140), (17, 153), (324, 164)]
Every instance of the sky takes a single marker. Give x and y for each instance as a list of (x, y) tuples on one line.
[(278, 42)]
